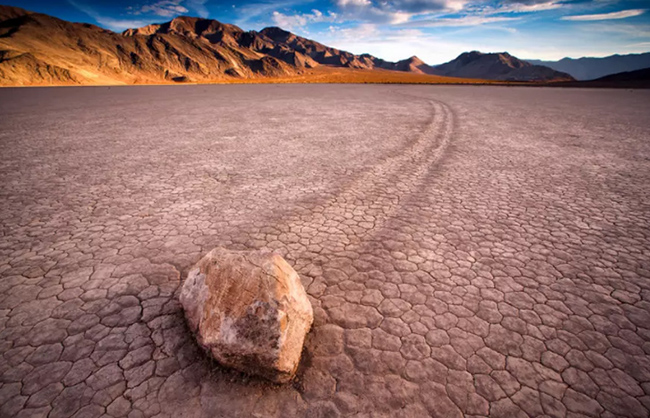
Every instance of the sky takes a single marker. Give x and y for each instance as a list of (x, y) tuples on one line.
[(436, 31)]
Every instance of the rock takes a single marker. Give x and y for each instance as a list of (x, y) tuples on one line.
[(249, 310)]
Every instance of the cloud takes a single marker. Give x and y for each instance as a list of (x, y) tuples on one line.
[(117, 25), (165, 8), (619, 31), (623, 14), (640, 45), (461, 21), (521, 7), (300, 20), (482, 8), (253, 15), (402, 11), (395, 45), (344, 3), (528, 8), (172, 8), (423, 6), (366, 11), (198, 6), (363, 31)]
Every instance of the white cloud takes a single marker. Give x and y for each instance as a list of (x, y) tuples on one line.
[(456, 5), (618, 31), (623, 14), (363, 31), (172, 8), (643, 45), (515, 7), (344, 3), (301, 20), (365, 11), (165, 8), (527, 8), (423, 6), (117, 25), (198, 6), (461, 21), (257, 14), (395, 45)]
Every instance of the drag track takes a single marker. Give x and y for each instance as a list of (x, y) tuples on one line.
[(371, 197), (467, 250)]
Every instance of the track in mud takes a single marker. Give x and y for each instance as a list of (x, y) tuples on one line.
[(368, 201)]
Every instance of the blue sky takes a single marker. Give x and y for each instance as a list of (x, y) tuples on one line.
[(434, 30)]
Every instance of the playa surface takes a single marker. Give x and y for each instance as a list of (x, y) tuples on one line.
[(467, 250)]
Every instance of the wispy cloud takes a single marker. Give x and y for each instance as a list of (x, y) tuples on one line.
[(394, 45), (198, 6), (364, 31), (423, 6), (119, 25), (165, 8), (399, 12), (620, 30), (366, 11), (111, 23), (460, 21), (258, 12), (644, 45), (300, 20), (514, 7), (354, 3), (623, 14), (171, 8), (529, 8)]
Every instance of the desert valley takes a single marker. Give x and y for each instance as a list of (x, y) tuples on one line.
[(255, 224)]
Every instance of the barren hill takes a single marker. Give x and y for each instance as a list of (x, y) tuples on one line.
[(415, 65), (628, 79), (498, 66), (40, 49), (637, 75)]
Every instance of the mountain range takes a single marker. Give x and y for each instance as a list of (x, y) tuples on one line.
[(593, 68), (37, 49)]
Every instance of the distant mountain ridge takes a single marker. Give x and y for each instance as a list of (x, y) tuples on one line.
[(588, 68), (498, 66), (636, 75), (40, 49)]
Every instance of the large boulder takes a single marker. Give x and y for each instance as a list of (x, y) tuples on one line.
[(249, 310)]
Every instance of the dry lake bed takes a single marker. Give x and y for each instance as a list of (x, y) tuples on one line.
[(467, 250)]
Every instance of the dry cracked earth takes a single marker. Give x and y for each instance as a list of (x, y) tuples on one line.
[(467, 250)]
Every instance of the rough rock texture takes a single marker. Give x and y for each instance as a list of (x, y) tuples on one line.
[(250, 310)]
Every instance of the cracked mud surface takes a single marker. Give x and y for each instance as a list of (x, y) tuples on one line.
[(467, 250)]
